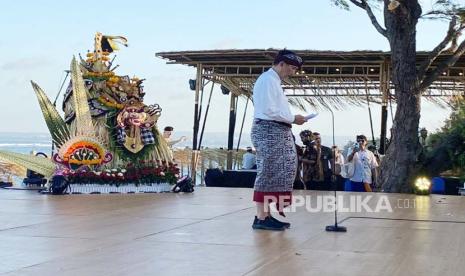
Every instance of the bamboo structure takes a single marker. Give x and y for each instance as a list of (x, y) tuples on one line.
[(232, 126), (207, 159)]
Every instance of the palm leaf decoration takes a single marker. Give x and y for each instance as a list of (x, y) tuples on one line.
[(84, 124), (38, 164), (8, 168), (55, 123)]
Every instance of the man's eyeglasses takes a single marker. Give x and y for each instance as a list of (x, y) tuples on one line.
[(360, 140)]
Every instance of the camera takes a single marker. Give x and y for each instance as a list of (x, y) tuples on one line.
[(309, 143), (306, 137)]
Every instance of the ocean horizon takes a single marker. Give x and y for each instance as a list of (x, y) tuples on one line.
[(25, 142)]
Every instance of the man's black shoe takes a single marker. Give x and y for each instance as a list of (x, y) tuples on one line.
[(267, 224), (285, 224)]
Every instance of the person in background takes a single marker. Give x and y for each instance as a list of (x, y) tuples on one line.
[(306, 136), (318, 158), (248, 160), (338, 163), (373, 149), (298, 183), (365, 164), (167, 136)]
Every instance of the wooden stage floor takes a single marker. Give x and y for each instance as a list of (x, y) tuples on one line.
[(209, 233)]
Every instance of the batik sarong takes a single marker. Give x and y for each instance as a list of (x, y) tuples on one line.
[(276, 159)]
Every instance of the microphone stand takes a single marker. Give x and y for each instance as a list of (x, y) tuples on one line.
[(335, 227)]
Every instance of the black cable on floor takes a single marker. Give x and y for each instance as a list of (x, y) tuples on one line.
[(413, 220)]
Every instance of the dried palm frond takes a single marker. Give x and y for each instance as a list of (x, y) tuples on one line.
[(208, 158), (55, 123), (7, 168), (38, 164), (79, 99), (85, 128), (162, 147), (182, 156), (314, 92)]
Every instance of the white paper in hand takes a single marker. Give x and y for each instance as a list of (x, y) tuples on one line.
[(311, 116)]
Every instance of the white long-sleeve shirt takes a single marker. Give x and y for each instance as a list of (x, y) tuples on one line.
[(270, 103)]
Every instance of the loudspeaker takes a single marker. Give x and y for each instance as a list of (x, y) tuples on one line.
[(224, 90), (192, 84)]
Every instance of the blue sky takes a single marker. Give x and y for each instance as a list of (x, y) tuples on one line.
[(39, 39)]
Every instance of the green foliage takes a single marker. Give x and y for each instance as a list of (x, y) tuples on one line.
[(441, 9), (446, 148), (446, 9), (341, 4), (96, 79)]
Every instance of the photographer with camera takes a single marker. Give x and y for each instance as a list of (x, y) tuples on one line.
[(365, 164), (306, 137), (318, 159)]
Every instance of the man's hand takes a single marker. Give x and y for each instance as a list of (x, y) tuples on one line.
[(299, 120), (351, 156)]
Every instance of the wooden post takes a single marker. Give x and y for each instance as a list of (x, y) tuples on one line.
[(385, 91), (198, 86), (202, 171), (232, 126)]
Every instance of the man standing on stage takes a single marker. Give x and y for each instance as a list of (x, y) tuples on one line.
[(272, 138)]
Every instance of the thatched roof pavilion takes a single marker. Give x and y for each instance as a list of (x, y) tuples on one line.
[(329, 79)]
